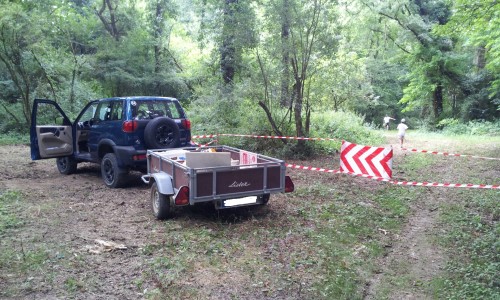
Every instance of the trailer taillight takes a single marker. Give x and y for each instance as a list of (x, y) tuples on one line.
[(289, 186), (186, 124), (129, 126), (182, 197)]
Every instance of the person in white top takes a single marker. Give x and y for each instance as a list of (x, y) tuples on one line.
[(387, 119), (402, 131)]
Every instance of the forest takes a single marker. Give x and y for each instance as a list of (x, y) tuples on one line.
[(257, 66)]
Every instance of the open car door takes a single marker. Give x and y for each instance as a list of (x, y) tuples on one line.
[(51, 133)]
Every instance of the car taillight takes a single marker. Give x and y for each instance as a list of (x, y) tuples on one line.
[(139, 157), (289, 186), (129, 126), (182, 197), (186, 124)]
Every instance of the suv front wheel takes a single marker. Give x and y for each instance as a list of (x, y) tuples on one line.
[(113, 175), (66, 165)]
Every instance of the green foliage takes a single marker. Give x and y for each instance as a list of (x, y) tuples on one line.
[(453, 127), (344, 126), (13, 138), (370, 58), (477, 22)]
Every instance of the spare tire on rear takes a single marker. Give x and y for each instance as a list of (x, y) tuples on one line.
[(161, 133)]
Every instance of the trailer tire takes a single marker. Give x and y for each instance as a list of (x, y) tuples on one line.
[(66, 165), (265, 198), (160, 204)]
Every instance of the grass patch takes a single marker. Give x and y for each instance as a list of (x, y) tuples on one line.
[(13, 138), (9, 206), (473, 235)]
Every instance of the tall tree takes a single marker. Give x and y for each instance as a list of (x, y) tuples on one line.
[(429, 56), (237, 35), (23, 36), (477, 23), (305, 37)]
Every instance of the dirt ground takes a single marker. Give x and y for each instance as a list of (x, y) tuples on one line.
[(71, 213)]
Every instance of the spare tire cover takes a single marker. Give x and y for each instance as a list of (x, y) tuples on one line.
[(161, 133)]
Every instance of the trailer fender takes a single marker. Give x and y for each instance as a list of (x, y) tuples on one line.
[(164, 183)]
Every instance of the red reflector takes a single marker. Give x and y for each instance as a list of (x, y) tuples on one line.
[(186, 124), (129, 126), (182, 197), (139, 157), (289, 186)]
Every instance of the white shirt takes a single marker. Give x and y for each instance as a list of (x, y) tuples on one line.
[(402, 129)]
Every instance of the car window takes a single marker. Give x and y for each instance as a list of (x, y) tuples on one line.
[(48, 114), (89, 113), (174, 110), (117, 110), (109, 111), (150, 109)]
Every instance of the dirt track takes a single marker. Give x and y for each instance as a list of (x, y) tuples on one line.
[(65, 215)]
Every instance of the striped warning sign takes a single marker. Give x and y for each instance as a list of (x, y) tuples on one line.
[(367, 160)]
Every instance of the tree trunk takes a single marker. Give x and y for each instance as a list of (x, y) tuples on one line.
[(110, 26), (228, 49), (285, 54), (480, 59), (437, 102), (157, 34)]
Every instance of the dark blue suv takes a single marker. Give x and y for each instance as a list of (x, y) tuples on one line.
[(113, 132)]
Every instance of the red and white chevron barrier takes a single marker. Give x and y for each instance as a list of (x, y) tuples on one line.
[(449, 154), (367, 160), (395, 182)]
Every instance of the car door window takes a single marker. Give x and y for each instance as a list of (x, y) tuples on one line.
[(109, 111), (117, 110)]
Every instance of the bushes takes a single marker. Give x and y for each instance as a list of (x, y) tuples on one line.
[(453, 127), (344, 125), (226, 117)]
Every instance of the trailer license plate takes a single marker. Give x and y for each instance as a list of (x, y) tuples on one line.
[(241, 201)]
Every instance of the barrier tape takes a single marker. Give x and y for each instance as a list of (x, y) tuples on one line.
[(264, 137), (395, 182), (205, 145), (332, 139), (448, 154)]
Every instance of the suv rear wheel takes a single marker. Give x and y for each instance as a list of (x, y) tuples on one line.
[(112, 174), (161, 133)]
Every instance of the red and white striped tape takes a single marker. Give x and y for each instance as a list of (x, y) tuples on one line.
[(333, 139), (448, 154), (264, 137), (395, 182), (205, 145)]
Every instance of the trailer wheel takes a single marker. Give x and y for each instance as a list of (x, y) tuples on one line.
[(265, 198), (160, 203)]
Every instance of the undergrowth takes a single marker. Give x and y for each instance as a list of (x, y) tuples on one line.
[(473, 235), (13, 138), (9, 204)]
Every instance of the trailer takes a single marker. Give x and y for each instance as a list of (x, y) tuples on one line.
[(226, 176)]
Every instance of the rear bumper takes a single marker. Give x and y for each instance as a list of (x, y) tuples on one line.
[(130, 157)]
